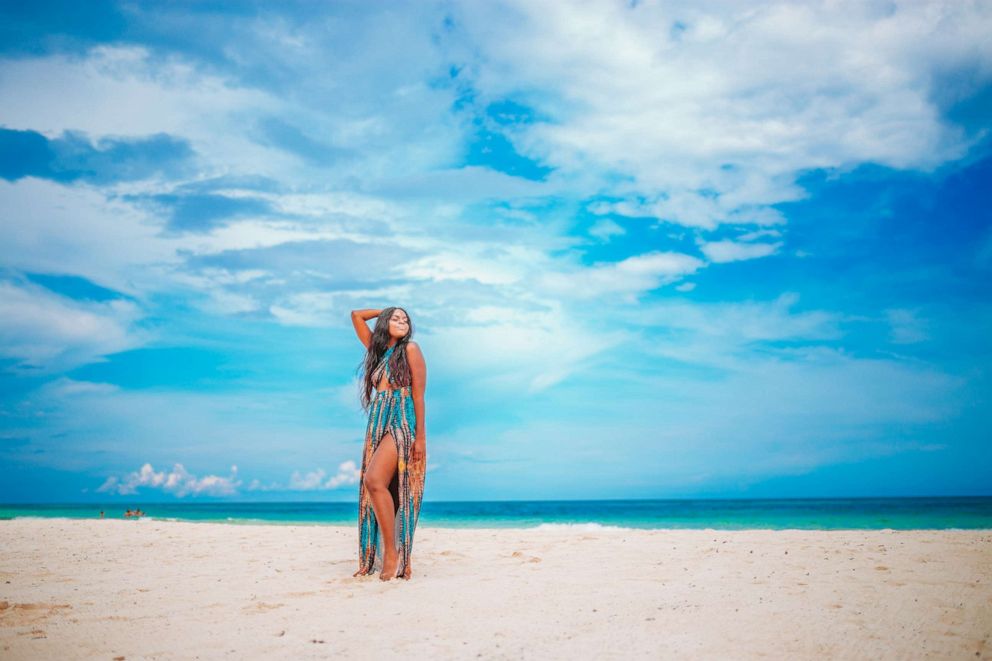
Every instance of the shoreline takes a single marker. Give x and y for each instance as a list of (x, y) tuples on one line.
[(917, 513), (79, 588), (553, 525)]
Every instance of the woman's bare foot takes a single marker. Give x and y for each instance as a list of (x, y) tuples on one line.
[(389, 565)]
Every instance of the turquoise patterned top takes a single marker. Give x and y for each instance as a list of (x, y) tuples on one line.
[(383, 365)]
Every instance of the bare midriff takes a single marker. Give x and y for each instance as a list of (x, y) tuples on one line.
[(384, 381), (392, 389)]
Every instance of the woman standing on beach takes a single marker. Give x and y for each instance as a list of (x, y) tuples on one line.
[(395, 456)]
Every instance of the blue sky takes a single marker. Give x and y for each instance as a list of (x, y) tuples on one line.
[(649, 249)]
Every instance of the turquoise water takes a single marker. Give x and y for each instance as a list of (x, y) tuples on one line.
[(739, 514)]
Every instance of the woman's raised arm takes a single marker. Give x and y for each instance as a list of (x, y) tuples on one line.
[(359, 319)]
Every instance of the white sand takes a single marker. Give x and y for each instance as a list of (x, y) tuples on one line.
[(157, 589)]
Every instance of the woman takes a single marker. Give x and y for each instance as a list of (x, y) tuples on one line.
[(395, 456)]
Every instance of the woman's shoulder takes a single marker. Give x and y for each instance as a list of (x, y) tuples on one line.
[(412, 347)]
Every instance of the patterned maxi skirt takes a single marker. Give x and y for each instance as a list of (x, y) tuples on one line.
[(392, 411)]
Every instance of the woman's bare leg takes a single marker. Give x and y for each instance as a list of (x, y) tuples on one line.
[(377, 478)]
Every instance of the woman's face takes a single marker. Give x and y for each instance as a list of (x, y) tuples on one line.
[(399, 324)]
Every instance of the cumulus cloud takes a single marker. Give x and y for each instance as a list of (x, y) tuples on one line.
[(348, 473), (308, 482), (177, 481)]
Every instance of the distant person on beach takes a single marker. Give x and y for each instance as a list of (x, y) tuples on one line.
[(394, 460), (127, 514), (101, 514)]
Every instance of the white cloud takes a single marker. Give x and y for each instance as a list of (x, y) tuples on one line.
[(49, 228), (178, 482), (348, 473), (316, 480), (713, 109), (759, 234), (334, 108), (605, 229), (119, 90), (66, 387), (46, 332), (626, 278), (322, 309), (129, 91), (704, 212), (733, 251), (257, 485), (510, 349), (308, 482), (486, 263)]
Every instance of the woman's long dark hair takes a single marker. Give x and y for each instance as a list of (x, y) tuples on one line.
[(398, 366)]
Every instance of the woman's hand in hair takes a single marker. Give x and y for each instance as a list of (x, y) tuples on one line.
[(359, 319)]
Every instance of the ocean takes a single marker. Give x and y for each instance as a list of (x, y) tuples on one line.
[(736, 514)]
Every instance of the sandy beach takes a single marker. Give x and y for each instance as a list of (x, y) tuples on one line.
[(116, 589)]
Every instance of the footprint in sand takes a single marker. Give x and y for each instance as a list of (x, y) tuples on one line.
[(16, 615), (525, 557), (261, 607)]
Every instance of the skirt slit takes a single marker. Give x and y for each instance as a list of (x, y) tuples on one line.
[(392, 412)]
